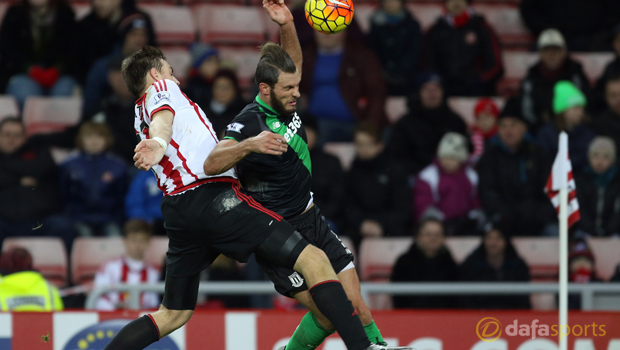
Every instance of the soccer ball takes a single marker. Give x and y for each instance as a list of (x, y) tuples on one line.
[(329, 16)]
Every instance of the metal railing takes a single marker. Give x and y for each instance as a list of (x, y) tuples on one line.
[(587, 291)]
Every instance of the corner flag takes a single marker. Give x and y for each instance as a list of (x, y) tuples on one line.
[(562, 177)]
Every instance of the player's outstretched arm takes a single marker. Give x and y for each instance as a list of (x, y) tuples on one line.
[(150, 152), (279, 13), (229, 152)]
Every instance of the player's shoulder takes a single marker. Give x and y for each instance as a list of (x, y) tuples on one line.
[(248, 117), (162, 90)]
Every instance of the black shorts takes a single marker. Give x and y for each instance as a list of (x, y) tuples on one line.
[(218, 218), (316, 231)]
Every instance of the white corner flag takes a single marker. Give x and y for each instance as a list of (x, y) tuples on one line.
[(561, 177), (562, 191)]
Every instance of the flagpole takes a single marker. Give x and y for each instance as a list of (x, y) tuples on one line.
[(563, 303)]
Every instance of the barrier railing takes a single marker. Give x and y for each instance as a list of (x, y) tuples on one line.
[(588, 291)]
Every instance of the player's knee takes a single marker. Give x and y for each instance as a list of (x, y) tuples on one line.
[(311, 256)]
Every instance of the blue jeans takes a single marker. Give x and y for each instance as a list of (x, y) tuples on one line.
[(22, 86)]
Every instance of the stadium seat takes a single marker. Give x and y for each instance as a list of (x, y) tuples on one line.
[(180, 60), (541, 254), (378, 256), (156, 252), (464, 106), (395, 108), (3, 7), (172, 24), (81, 10), (8, 107), (230, 24), (245, 61), (461, 247), (606, 254), (273, 29), (593, 63), (506, 20), (51, 114), (48, 254), (426, 14), (516, 64), (362, 16), (344, 151), (88, 253)]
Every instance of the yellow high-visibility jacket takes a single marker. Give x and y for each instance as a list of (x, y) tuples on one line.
[(28, 291)]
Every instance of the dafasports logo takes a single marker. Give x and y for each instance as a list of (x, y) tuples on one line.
[(490, 329), (98, 336)]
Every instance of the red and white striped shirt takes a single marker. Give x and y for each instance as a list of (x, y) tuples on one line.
[(193, 138), (126, 270)]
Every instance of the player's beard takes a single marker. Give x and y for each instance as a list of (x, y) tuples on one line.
[(278, 106)]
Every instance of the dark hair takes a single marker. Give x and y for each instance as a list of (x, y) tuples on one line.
[(100, 129), (7, 120), (273, 59), (425, 221), (137, 66), (137, 226), (369, 129), (16, 259), (230, 75)]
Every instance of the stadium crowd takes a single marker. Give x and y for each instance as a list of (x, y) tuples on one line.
[(429, 174)]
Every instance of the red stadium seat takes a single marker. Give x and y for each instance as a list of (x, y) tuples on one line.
[(230, 24), (362, 15), (180, 60), (461, 247), (156, 252), (48, 254), (244, 59), (173, 24), (507, 23), (516, 64), (8, 107), (395, 108), (426, 14), (593, 63), (606, 254), (344, 151), (81, 10), (51, 114), (88, 253), (464, 106), (378, 256), (273, 29), (541, 254)]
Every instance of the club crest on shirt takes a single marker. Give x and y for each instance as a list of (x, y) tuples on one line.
[(161, 96), (234, 127), (296, 279)]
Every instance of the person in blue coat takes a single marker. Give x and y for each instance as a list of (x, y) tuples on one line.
[(93, 183), (143, 201)]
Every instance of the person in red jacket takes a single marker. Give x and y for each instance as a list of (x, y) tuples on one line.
[(464, 50)]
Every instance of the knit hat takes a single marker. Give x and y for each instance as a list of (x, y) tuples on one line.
[(551, 37), (579, 248), (513, 109), (486, 105), (566, 95), (426, 77), (200, 53), (16, 259), (133, 21), (605, 145), (453, 145)]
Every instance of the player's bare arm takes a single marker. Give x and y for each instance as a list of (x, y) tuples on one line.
[(279, 13), (229, 152), (150, 152)]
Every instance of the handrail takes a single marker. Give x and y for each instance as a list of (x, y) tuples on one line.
[(587, 291)]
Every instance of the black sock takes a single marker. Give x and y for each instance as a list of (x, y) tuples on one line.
[(136, 335), (332, 301)]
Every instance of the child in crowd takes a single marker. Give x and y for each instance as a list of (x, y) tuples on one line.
[(485, 126)]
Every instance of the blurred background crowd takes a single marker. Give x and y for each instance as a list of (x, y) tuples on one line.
[(424, 119)]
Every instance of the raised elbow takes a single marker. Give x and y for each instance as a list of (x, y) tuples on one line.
[(210, 169)]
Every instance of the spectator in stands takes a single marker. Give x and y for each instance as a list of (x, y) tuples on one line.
[(428, 260), (598, 190), (415, 136), (143, 201), (133, 36), (130, 268), (28, 187), (612, 71), (608, 122), (513, 171), (569, 116), (585, 24), (226, 101), (37, 49), (484, 128), (328, 186), (448, 188), (378, 198), (339, 75), (464, 50), (495, 260), (580, 269), (93, 183), (554, 65), (98, 32), (205, 65), (396, 38), (22, 288)]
